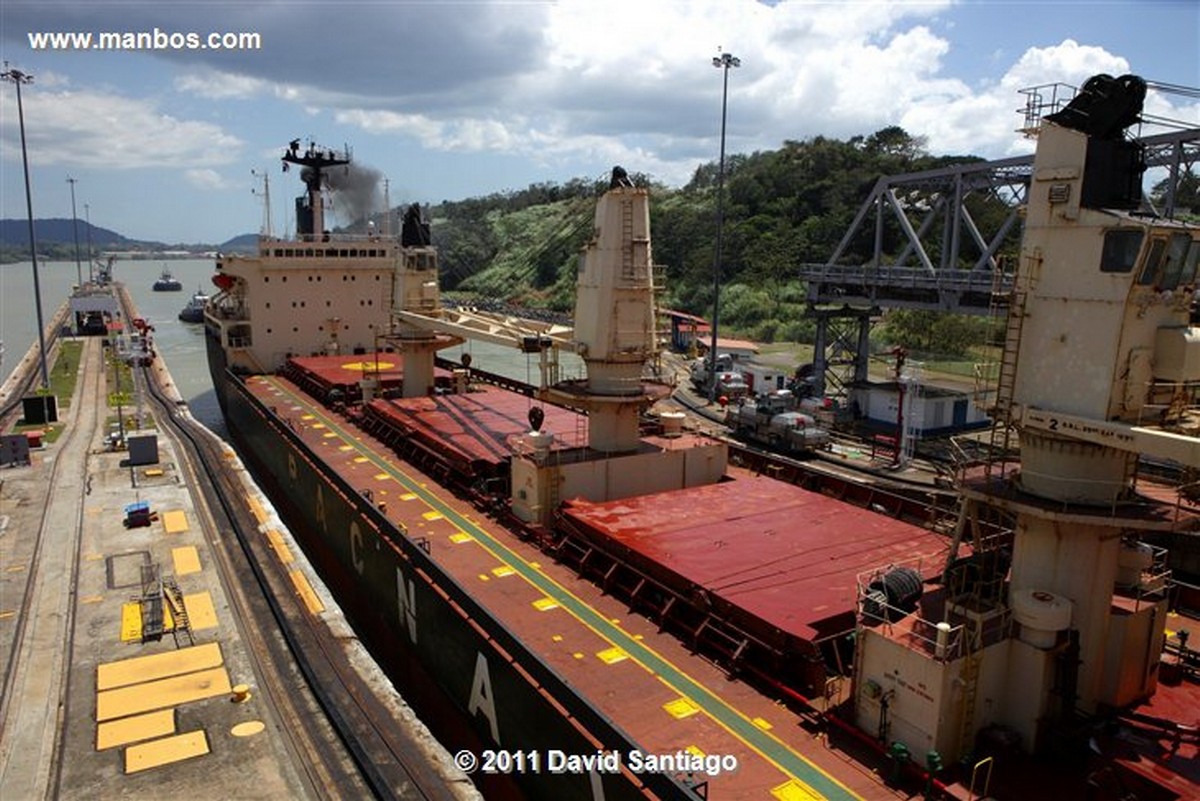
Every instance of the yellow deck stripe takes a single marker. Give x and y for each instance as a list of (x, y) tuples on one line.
[(165, 751), (173, 691), (186, 559), (138, 727), (158, 666)]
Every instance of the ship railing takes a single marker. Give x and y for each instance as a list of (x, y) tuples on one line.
[(1041, 101)]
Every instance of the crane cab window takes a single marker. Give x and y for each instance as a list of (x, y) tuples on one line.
[(1150, 268), (1188, 276), (1176, 255), (1121, 247)]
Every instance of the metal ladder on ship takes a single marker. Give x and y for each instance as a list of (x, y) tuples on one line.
[(1000, 438)]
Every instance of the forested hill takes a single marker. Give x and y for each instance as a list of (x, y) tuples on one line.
[(783, 207)]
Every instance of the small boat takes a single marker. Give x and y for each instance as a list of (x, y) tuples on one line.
[(193, 312), (167, 282)]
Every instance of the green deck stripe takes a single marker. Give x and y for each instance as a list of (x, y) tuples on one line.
[(766, 744)]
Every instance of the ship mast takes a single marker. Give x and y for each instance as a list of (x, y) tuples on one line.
[(315, 161)]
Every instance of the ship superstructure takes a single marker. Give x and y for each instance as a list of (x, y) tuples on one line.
[(1065, 619), (318, 293)]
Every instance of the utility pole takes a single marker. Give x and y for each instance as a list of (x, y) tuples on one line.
[(17, 77), (723, 61), (75, 226)]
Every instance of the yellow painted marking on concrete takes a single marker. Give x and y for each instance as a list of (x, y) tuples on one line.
[(433, 515), (305, 591), (175, 521), (484, 577), (408, 496), (361, 459), (535, 565), (138, 698), (187, 560), (345, 447), (152, 472), (306, 416), (329, 435), (795, 790), (382, 476), (7, 614), (200, 611), (317, 425), (91, 599), (611, 656), (16, 568), (131, 622), (275, 538), (461, 537), (93, 557), (577, 655), (557, 638), (257, 510), (124, 672), (138, 727), (681, 708), (502, 571), (250, 727), (695, 751), (545, 605), (165, 751), (762, 723)]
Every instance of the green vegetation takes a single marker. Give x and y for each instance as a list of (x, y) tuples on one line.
[(66, 372), (783, 208)]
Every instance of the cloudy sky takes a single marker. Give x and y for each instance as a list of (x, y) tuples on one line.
[(455, 99)]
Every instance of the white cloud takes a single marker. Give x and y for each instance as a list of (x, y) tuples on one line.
[(216, 85), (98, 129), (207, 179)]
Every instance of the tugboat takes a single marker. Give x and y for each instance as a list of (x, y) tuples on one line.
[(193, 312), (167, 282)]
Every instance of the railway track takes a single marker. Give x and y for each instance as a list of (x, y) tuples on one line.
[(43, 640)]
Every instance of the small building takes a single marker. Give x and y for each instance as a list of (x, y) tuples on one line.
[(931, 411), (762, 378)]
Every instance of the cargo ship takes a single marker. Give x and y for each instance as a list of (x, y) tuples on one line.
[(596, 607)]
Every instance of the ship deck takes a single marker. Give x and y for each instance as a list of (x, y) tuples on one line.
[(668, 698), (478, 427), (786, 558)]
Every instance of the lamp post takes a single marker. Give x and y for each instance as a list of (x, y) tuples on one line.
[(17, 77), (75, 226), (87, 217), (722, 62)]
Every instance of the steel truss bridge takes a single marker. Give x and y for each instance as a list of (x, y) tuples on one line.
[(948, 260)]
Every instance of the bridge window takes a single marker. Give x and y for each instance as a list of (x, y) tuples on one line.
[(1150, 269), (1188, 276), (1121, 246), (1177, 251)]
